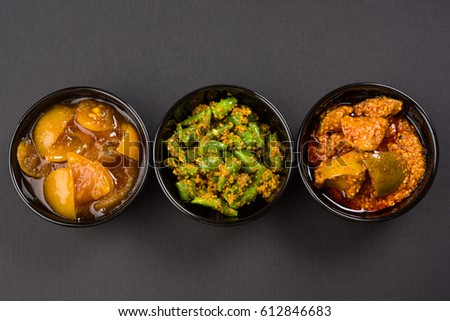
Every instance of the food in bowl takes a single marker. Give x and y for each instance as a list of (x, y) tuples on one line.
[(224, 157), (368, 155), (81, 158)]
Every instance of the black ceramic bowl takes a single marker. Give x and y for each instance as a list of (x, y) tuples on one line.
[(180, 110), (21, 182), (355, 93)]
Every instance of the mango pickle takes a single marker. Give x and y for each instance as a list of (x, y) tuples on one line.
[(385, 171), (349, 185), (332, 119), (350, 164), (364, 133), (376, 158), (378, 107), (84, 156)]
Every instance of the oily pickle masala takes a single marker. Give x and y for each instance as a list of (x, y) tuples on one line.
[(368, 156)]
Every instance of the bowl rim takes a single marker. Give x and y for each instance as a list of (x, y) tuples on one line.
[(128, 109), (336, 211), (193, 215)]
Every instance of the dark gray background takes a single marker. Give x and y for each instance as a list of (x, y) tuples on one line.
[(151, 53)]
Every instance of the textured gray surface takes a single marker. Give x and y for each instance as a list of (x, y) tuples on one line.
[(150, 53)]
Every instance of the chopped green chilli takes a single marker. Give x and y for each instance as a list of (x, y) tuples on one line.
[(224, 158)]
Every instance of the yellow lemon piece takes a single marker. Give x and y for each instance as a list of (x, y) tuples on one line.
[(48, 128), (95, 116), (130, 143), (29, 160), (59, 192), (92, 180)]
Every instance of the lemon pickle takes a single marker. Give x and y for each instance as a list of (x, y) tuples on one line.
[(368, 155), (82, 158), (224, 158)]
